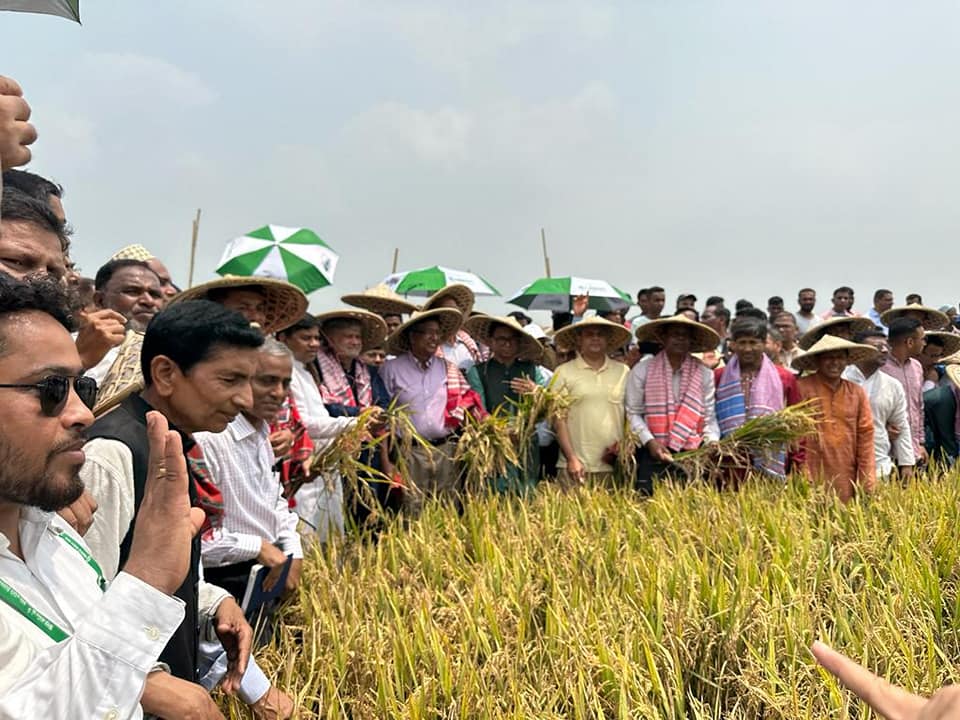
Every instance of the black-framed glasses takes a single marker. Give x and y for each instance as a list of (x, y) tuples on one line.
[(55, 389)]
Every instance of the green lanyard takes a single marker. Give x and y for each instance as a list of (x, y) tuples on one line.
[(15, 600)]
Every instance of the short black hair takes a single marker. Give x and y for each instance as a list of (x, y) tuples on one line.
[(714, 300), (752, 312), (39, 293), (642, 292), (902, 327), (742, 305), (17, 206), (866, 334), (803, 290), (877, 294), (914, 299), (844, 289), (190, 332), (105, 273), (36, 186), (307, 322), (749, 326), (775, 300), (654, 289)]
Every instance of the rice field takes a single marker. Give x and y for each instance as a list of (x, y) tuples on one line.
[(597, 604)]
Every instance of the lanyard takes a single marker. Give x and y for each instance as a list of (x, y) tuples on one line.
[(15, 600)]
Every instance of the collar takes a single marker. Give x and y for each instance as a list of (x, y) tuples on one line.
[(138, 407), (421, 365), (241, 428), (33, 524), (582, 364)]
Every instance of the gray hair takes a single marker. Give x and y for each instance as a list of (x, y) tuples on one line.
[(275, 348)]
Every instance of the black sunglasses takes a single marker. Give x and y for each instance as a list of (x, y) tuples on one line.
[(54, 390)]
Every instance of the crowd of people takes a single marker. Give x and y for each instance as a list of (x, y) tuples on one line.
[(157, 443)]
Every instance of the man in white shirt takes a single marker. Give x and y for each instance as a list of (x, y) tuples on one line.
[(806, 318), (71, 644), (888, 403), (258, 525), (318, 503)]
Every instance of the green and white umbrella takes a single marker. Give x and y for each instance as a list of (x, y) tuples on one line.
[(556, 294), (69, 9), (427, 281), (296, 255)]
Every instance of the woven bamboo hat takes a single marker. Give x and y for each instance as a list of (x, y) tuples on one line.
[(399, 340), (932, 319), (374, 328), (461, 295), (703, 337), (855, 324), (618, 334), (952, 372), (831, 343), (951, 342), (481, 327), (380, 300), (124, 378), (285, 303)]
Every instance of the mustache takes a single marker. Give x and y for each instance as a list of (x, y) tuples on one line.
[(75, 441)]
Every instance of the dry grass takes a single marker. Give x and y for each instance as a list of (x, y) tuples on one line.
[(694, 604)]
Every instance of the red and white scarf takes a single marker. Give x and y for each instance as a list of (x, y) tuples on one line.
[(676, 422), (335, 387), (461, 398)]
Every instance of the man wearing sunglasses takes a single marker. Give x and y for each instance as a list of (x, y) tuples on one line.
[(198, 359), (72, 644)]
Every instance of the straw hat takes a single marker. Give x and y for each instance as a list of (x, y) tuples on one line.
[(932, 319), (953, 359), (399, 341), (380, 300), (374, 328), (856, 324), (460, 294), (481, 327), (703, 337), (830, 343), (952, 372), (951, 342), (566, 336), (285, 303), (124, 378)]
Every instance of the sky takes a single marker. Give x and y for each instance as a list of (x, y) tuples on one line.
[(743, 149)]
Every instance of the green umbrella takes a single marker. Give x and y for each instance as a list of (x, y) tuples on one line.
[(556, 294), (296, 255), (427, 281), (69, 9)]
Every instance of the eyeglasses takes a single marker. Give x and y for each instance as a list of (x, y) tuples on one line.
[(55, 390)]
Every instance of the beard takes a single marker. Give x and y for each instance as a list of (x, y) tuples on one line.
[(40, 488)]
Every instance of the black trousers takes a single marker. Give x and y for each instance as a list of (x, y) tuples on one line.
[(649, 470)]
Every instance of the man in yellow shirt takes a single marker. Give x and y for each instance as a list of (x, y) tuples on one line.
[(595, 421)]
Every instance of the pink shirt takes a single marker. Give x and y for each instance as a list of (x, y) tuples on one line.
[(910, 375), (422, 388)]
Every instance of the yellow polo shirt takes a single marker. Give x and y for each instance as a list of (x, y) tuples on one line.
[(596, 418)]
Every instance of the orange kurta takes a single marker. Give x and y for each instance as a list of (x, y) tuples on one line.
[(841, 453)]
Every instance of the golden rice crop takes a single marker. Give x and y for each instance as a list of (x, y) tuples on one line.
[(597, 604)]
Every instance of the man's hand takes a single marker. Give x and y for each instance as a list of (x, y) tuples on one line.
[(523, 385), (270, 555), (575, 469), (15, 130), (893, 432), (175, 699), (579, 305), (888, 700), (160, 553), (293, 577), (658, 452), (922, 457), (79, 514), (906, 472), (281, 441), (236, 636), (100, 331)]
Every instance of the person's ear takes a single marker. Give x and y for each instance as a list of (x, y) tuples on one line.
[(164, 374)]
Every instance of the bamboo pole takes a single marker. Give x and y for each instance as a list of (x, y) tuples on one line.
[(193, 248), (396, 257), (546, 258)]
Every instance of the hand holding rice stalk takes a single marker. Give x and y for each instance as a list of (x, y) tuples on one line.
[(543, 403), (343, 454), (487, 449), (760, 435)]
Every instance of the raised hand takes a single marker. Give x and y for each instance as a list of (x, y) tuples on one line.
[(16, 133)]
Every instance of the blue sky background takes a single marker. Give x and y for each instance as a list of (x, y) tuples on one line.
[(738, 148)]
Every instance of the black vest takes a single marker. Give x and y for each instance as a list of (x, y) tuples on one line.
[(496, 378), (128, 424)]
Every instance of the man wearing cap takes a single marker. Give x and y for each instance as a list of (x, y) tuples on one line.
[(348, 387), (437, 397), (670, 397), (139, 252), (751, 386), (906, 338), (510, 372), (841, 454), (888, 404), (459, 348), (842, 327), (590, 434)]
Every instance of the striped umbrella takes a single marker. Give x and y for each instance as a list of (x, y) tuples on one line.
[(427, 281), (296, 255), (556, 294)]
